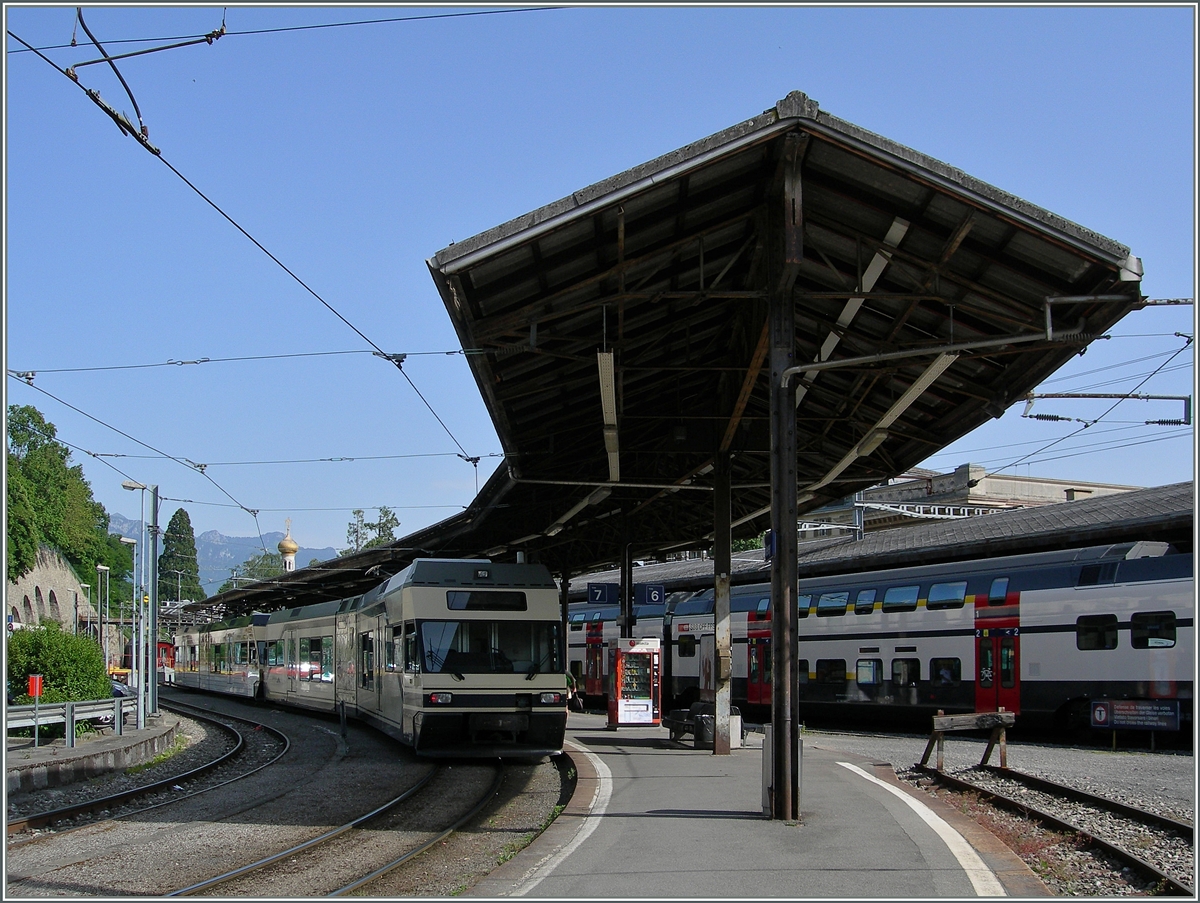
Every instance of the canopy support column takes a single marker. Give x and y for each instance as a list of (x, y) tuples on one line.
[(785, 252), (722, 564)]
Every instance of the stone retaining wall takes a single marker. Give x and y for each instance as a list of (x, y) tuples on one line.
[(52, 766)]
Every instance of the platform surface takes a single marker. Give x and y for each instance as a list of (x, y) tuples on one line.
[(654, 818)]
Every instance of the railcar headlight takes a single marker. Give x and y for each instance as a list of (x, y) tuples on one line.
[(550, 698), (441, 698)]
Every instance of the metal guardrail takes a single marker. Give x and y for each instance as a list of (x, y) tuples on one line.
[(107, 711)]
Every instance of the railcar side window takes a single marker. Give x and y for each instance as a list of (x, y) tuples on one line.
[(906, 672), (366, 660), (869, 672), (1152, 630), (945, 672), (412, 659), (687, 646), (864, 603), (998, 594), (985, 666), (316, 658), (947, 595), (1008, 662), (389, 650), (831, 670), (830, 604), (1096, 632), (901, 598), (802, 604), (327, 659)]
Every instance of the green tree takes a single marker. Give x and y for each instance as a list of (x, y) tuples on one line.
[(256, 567), (72, 666), (384, 529), (64, 514), (22, 524), (746, 545), (178, 572), (356, 533), (363, 534)]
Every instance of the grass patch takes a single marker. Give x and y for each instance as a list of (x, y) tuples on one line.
[(178, 746)]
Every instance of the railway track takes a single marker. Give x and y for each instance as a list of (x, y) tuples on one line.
[(1154, 845), (253, 747), (361, 852)]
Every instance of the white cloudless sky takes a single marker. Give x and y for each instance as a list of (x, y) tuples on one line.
[(354, 153)]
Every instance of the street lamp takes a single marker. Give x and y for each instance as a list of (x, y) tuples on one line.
[(89, 605), (102, 569), (135, 664), (152, 688)]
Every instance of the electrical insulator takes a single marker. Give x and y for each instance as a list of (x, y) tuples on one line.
[(1047, 417), (1166, 423)]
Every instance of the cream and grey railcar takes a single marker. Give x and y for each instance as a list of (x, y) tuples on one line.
[(455, 658)]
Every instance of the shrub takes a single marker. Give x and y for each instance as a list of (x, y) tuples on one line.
[(72, 667)]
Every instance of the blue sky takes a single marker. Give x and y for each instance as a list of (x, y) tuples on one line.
[(355, 153)]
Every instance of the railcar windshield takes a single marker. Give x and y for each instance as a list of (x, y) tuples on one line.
[(490, 647)]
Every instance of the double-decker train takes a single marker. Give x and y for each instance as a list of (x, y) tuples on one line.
[(1039, 634), (592, 629), (452, 657)]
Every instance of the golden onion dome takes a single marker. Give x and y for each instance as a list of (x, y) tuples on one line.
[(287, 545)]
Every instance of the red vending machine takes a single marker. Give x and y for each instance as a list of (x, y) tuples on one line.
[(635, 681)]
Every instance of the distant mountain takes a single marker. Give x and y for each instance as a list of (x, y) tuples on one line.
[(217, 554)]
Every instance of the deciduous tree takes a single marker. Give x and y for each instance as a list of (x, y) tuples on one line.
[(256, 567), (50, 503)]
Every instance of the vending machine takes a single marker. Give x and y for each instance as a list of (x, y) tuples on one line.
[(635, 682)]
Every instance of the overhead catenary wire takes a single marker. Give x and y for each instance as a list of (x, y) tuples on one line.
[(116, 71), (338, 459), (33, 371), (396, 359), (1187, 344), (993, 448), (182, 461), (1093, 448), (260, 31)]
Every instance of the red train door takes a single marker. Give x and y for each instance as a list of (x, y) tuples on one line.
[(593, 660), (997, 649), (758, 663)]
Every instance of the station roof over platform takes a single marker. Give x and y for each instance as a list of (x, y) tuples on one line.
[(1158, 514), (619, 337)]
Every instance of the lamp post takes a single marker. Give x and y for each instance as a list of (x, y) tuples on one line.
[(152, 651), (135, 663), (102, 569), (89, 605)]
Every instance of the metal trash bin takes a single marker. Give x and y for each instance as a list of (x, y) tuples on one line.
[(704, 729)]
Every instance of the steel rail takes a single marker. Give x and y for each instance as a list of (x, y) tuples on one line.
[(412, 854), (1172, 885), (315, 841), (40, 819), (1118, 808)]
